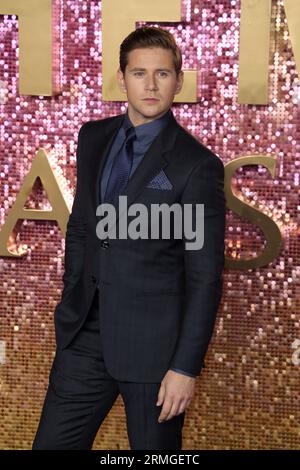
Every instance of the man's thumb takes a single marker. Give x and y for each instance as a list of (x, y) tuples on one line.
[(160, 395)]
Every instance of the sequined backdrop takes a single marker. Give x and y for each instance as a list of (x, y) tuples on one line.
[(248, 395)]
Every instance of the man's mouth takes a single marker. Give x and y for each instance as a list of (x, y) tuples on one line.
[(151, 99)]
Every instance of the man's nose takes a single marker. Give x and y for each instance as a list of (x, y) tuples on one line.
[(151, 83)]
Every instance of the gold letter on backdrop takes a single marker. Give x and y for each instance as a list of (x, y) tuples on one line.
[(118, 20), (38, 44), (40, 168), (255, 47), (246, 210)]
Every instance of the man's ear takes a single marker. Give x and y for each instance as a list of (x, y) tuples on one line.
[(179, 82), (121, 81)]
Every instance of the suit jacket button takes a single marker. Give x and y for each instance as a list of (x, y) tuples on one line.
[(105, 244)]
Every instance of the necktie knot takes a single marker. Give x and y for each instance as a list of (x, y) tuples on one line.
[(130, 135)]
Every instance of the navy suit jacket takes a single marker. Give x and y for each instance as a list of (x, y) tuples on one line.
[(158, 301)]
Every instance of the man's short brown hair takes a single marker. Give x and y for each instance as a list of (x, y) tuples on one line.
[(148, 36)]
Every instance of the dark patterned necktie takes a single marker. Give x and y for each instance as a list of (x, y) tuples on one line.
[(121, 168)]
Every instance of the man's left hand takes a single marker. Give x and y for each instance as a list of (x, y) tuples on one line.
[(175, 393)]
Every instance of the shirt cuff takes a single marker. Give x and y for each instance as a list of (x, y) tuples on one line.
[(183, 372)]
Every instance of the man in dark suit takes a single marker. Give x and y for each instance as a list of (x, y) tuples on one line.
[(136, 315)]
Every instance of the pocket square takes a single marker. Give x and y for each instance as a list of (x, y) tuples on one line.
[(160, 181)]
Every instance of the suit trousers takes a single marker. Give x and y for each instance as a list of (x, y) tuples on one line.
[(81, 393)]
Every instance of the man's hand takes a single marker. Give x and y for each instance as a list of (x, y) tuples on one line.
[(176, 391)]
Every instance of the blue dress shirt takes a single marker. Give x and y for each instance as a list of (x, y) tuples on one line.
[(145, 134)]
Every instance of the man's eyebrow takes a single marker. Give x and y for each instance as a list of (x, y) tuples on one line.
[(140, 69)]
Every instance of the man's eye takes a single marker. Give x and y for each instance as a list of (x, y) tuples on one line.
[(163, 74), (138, 74)]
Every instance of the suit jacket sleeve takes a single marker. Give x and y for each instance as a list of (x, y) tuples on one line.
[(75, 240), (203, 267)]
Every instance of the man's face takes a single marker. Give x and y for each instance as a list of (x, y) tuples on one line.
[(150, 73)]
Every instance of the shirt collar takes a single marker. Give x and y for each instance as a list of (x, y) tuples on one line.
[(149, 130)]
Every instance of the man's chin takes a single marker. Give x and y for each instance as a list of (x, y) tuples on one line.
[(152, 112), (148, 112)]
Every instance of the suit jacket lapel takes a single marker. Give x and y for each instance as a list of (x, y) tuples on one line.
[(110, 132)]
